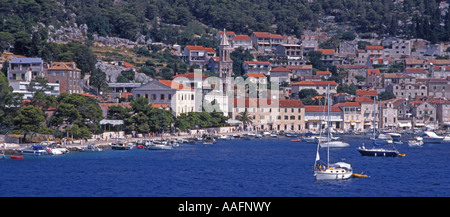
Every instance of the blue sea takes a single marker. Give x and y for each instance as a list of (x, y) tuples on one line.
[(236, 168)]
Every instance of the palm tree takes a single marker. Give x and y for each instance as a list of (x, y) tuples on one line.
[(245, 118)]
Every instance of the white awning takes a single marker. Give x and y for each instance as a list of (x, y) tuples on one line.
[(112, 122), (419, 124), (405, 125)]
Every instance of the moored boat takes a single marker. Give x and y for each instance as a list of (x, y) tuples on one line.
[(383, 139), (36, 150), (16, 157), (431, 137), (91, 148), (122, 145), (377, 151), (334, 144), (415, 141)]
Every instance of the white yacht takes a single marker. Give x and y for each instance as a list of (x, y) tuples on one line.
[(432, 137)]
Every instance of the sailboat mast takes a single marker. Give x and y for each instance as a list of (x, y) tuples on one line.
[(328, 125)]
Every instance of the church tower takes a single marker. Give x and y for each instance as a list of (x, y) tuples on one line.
[(225, 62)]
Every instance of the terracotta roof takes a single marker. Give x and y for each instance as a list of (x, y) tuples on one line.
[(440, 62), (208, 49), (128, 65), (174, 85), (361, 99), (190, 47), (276, 36), (316, 108), (290, 103), (372, 71), (326, 51), (414, 61), (242, 37), (158, 105), (317, 83), (189, 75), (280, 69), (323, 73), (262, 34), (255, 75), (366, 92)]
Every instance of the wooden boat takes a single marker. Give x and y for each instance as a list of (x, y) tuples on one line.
[(296, 140), (16, 157)]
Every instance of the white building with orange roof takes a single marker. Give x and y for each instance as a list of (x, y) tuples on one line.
[(243, 41), (180, 98), (197, 55)]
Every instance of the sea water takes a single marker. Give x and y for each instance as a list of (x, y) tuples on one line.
[(268, 167)]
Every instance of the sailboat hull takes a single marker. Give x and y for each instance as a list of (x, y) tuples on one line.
[(378, 152), (332, 175)]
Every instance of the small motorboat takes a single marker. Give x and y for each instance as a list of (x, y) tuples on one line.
[(415, 142), (122, 145), (296, 140), (36, 150), (91, 148), (159, 147), (16, 157), (401, 155), (432, 137)]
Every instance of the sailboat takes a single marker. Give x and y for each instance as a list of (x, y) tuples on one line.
[(334, 171)]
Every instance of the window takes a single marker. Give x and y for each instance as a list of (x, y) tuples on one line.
[(153, 96), (53, 73), (285, 117), (170, 96), (162, 97), (299, 117), (292, 117)]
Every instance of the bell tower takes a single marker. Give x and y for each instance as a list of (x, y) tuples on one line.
[(225, 62)]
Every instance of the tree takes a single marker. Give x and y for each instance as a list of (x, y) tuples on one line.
[(29, 120), (245, 118), (386, 95), (98, 80)]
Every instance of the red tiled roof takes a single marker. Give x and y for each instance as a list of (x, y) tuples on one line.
[(318, 83), (290, 103), (209, 50), (255, 75), (158, 105), (371, 71), (362, 99), (276, 36), (316, 108), (323, 73), (326, 51), (280, 69), (262, 34), (242, 37), (128, 65), (190, 47), (366, 92), (174, 85)]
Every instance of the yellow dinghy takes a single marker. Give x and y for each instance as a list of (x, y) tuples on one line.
[(356, 175)]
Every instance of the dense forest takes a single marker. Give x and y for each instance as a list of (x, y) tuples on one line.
[(127, 19)]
